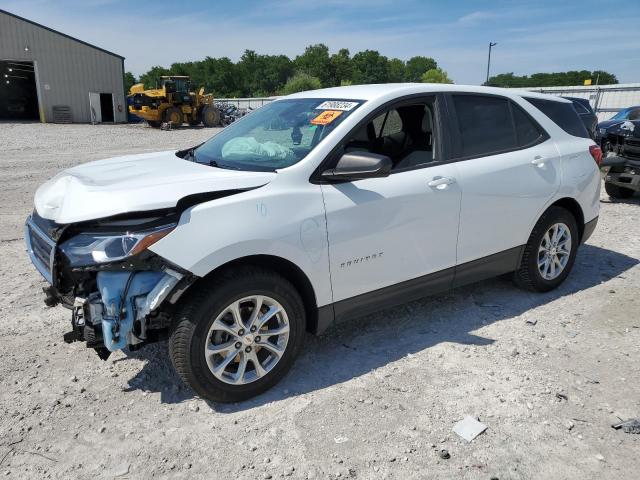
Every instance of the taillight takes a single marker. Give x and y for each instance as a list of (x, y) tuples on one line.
[(596, 153)]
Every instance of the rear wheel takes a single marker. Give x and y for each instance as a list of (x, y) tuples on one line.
[(210, 116), (173, 116), (550, 252), (614, 191), (238, 335)]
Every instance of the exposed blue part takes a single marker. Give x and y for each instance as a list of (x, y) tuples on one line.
[(111, 286)]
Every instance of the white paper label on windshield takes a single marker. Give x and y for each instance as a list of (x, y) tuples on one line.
[(337, 105)]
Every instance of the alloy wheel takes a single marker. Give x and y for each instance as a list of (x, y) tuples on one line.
[(247, 339), (554, 251)]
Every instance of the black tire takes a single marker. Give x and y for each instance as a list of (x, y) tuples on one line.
[(154, 124), (173, 115), (614, 191), (210, 116), (528, 276), (189, 330)]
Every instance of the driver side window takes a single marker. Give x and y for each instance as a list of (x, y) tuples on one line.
[(404, 134)]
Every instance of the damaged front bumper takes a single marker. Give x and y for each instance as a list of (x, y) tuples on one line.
[(113, 306), (621, 171), (120, 313)]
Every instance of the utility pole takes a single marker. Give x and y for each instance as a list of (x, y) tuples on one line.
[(491, 44)]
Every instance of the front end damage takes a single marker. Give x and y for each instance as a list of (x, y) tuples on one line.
[(126, 302)]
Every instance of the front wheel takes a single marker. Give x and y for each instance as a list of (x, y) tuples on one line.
[(237, 335), (550, 252)]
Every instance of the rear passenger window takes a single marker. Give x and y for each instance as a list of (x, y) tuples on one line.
[(528, 132), (485, 125), (562, 114)]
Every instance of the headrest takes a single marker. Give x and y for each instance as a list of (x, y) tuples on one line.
[(427, 125)]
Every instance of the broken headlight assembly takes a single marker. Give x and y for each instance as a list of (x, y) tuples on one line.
[(86, 249)]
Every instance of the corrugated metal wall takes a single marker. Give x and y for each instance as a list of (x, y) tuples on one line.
[(66, 69)]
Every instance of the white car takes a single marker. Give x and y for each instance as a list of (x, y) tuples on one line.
[(317, 207)]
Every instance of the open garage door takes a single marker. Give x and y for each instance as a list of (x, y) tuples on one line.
[(18, 94)]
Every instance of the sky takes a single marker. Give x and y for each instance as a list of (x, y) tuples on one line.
[(531, 36)]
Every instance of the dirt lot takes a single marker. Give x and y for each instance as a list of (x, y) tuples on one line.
[(375, 398)]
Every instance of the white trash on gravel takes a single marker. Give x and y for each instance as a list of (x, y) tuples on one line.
[(469, 428)]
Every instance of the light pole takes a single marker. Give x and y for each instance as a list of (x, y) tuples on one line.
[(491, 44)]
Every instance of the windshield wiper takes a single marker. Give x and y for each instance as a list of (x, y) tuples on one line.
[(214, 163)]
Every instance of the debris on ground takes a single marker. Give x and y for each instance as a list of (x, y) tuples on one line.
[(469, 428), (531, 321), (444, 454), (628, 426)]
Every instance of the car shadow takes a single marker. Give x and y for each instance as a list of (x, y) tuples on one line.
[(362, 345)]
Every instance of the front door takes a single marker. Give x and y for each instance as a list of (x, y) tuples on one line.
[(386, 231)]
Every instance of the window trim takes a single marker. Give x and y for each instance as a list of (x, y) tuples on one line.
[(456, 135), (441, 139)]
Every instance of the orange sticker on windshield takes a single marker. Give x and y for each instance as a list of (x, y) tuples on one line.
[(326, 117)]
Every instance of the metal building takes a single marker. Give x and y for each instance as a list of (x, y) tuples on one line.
[(49, 76)]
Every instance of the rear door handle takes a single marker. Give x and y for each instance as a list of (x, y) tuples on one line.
[(441, 182), (538, 161)]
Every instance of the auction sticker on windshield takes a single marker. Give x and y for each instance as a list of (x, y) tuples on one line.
[(337, 105), (326, 117)]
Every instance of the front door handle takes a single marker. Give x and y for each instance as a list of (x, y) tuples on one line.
[(441, 182), (538, 161)]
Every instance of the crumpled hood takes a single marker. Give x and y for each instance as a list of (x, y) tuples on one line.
[(134, 183)]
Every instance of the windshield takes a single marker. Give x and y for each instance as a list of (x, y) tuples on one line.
[(275, 136), (621, 115)]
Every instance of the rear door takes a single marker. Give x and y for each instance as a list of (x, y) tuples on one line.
[(508, 169)]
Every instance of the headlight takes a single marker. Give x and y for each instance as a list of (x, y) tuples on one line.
[(92, 248), (603, 131)]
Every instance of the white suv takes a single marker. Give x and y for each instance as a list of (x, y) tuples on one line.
[(317, 207)]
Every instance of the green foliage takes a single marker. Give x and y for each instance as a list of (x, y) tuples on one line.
[(435, 75), (417, 66), (341, 69), (129, 81), (556, 79), (315, 62), (263, 75), (396, 71), (301, 82), (369, 67), (151, 79)]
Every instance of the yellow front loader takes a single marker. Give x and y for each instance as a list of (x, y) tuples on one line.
[(174, 103)]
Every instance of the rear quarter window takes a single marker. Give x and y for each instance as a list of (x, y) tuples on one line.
[(562, 114)]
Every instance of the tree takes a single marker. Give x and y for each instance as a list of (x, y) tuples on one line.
[(369, 67), (417, 66), (151, 79), (555, 79), (315, 62), (397, 70), (129, 81), (301, 82), (341, 68), (435, 75)]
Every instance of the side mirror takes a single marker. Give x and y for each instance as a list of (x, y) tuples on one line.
[(358, 166)]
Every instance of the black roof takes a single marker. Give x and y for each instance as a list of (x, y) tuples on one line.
[(60, 33)]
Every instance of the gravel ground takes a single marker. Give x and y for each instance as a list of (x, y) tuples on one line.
[(375, 398)]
